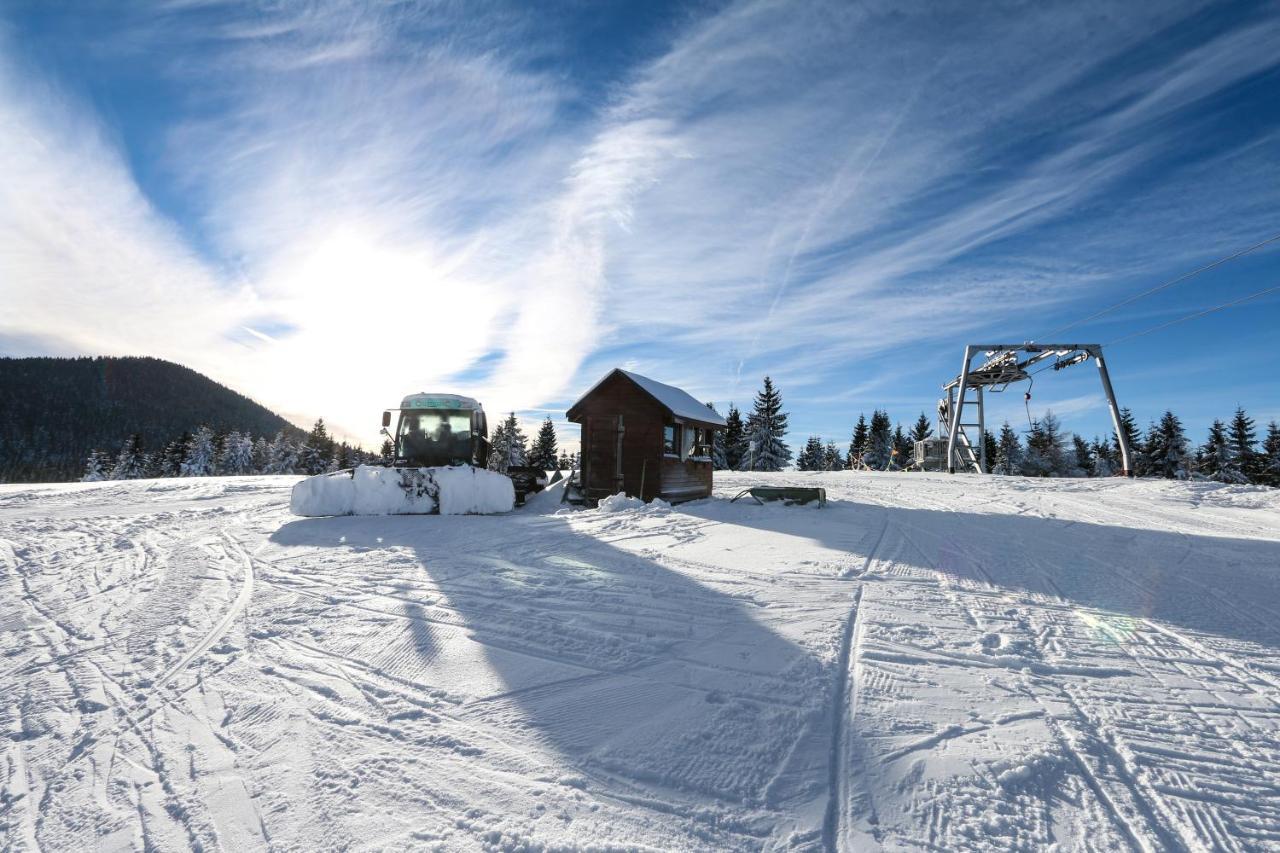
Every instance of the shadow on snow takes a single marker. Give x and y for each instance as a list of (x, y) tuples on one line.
[(649, 683)]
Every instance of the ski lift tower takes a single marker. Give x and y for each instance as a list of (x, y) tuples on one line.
[(1005, 364)]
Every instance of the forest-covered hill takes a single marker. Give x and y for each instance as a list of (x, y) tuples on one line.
[(54, 411)]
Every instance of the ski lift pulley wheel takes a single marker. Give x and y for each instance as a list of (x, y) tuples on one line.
[(789, 495)]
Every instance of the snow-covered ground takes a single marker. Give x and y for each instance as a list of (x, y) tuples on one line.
[(930, 662)]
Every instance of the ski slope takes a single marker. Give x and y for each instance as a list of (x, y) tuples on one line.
[(930, 662)]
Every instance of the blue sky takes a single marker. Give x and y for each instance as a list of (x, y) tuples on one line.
[(327, 206)]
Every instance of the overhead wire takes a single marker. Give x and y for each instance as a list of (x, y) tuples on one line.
[(1184, 318), (1196, 314), (1129, 300), (1185, 276)]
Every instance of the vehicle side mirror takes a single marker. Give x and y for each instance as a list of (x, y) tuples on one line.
[(386, 419)]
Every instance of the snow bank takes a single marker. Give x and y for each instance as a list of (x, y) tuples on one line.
[(549, 500), (374, 490), (622, 503)]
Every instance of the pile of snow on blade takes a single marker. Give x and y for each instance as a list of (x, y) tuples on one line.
[(473, 491), (374, 490)]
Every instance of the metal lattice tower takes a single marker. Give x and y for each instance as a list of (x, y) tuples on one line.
[(1007, 363)]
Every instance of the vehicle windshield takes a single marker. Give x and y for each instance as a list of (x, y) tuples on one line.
[(434, 437)]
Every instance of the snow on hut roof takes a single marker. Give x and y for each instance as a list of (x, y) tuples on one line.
[(680, 403)]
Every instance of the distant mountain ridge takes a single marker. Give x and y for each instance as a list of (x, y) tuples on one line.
[(54, 411)]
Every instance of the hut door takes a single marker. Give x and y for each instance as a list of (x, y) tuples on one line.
[(603, 468)]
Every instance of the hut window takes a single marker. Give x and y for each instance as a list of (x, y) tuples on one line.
[(671, 439), (701, 442)]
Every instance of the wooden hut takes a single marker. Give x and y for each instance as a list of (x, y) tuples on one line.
[(644, 438)]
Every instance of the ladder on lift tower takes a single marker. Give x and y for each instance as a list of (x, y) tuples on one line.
[(966, 454)]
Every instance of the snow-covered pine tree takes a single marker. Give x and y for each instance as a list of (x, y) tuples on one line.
[(1217, 459), (95, 467), (879, 446), (1046, 454), (261, 455), (153, 465), (923, 428), (199, 460), (1244, 439), (1083, 456), (1008, 452), (219, 444), (765, 429), (387, 453), (543, 452), (1137, 452), (174, 454), (1034, 460), (1062, 460), (1103, 459), (802, 457), (735, 439), (507, 447), (129, 461), (317, 451), (498, 455), (283, 455), (903, 449), (311, 460), (992, 448), (718, 461), (344, 456), (1271, 455), (858, 443), (564, 463), (811, 456), (237, 454), (831, 458), (1167, 448)]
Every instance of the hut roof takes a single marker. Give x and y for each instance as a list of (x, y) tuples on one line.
[(679, 403)]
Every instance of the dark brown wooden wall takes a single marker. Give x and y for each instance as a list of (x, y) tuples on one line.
[(680, 477), (642, 420)]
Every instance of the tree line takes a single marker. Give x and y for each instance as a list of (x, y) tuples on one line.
[(1233, 452), (55, 411), (206, 453)]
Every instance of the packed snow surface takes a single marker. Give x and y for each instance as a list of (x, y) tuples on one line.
[(375, 490), (928, 663)]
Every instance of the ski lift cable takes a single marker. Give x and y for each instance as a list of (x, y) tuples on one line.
[(1192, 316), (1166, 285), (1195, 314)]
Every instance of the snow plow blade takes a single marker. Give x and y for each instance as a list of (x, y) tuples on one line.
[(374, 490), (787, 494)]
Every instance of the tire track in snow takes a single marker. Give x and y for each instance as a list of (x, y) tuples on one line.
[(1111, 783), (843, 709), (224, 624), (840, 709)]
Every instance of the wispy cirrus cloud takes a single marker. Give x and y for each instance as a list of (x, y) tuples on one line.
[(360, 200), (85, 259)]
